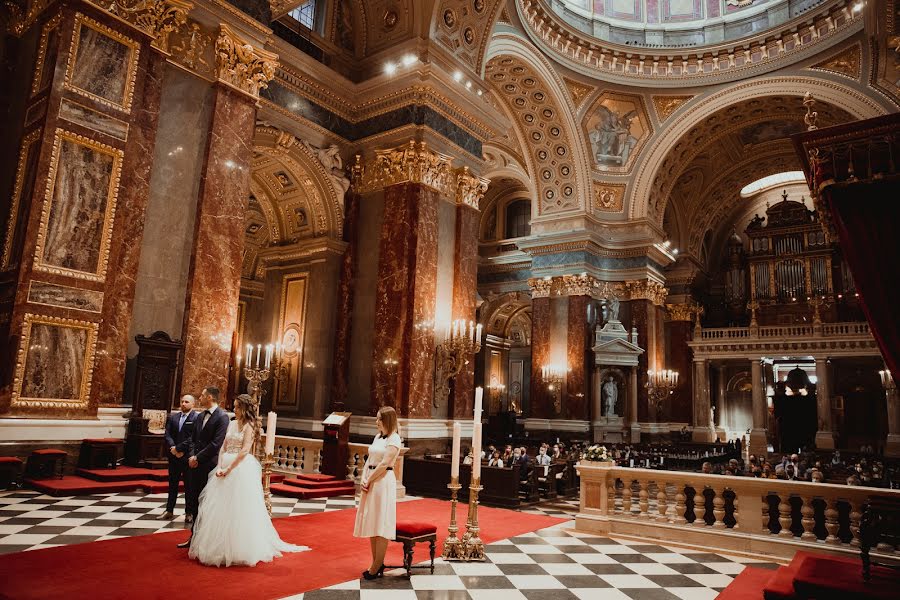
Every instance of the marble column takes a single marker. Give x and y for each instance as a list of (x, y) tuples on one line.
[(758, 442), (704, 428), (825, 433), (633, 407), (346, 286), (541, 403), (402, 353), (214, 279), (465, 289), (680, 358), (577, 402), (642, 317), (73, 236)]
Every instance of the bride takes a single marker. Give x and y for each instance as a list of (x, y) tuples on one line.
[(233, 526)]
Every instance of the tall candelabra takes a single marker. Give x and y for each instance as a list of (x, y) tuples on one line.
[(660, 385), (451, 356), (453, 545), (472, 546), (553, 378)]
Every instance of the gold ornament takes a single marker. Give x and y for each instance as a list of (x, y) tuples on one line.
[(240, 65)]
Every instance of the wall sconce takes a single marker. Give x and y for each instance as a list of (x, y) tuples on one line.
[(553, 376), (660, 385), (495, 395), (463, 339)]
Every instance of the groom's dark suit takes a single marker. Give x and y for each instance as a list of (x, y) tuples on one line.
[(178, 434), (207, 439)]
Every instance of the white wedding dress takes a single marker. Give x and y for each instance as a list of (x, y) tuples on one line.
[(233, 526)]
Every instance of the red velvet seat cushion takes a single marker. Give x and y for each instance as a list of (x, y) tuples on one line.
[(50, 452), (9, 460), (413, 529), (103, 441)]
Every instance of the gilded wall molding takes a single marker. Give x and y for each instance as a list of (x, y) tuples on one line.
[(156, 18), (578, 285), (541, 287), (682, 312), (23, 20), (11, 223), (242, 66)]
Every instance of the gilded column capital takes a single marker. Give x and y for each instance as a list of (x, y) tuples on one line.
[(413, 162), (610, 289), (470, 188), (240, 65), (682, 312), (647, 289), (578, 285), (540, 287), (156, 18), (20, 20)]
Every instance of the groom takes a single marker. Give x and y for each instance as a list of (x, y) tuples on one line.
[(210, 427)]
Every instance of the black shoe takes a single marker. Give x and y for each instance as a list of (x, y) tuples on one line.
[(186, 544), (369, 577)]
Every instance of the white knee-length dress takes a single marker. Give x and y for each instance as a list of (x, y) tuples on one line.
[(377, 512)]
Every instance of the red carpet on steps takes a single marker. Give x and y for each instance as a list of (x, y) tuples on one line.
[(313, 485), (151, 567), (748, 585)]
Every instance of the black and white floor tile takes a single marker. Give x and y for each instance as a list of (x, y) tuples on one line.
[(552, 564)]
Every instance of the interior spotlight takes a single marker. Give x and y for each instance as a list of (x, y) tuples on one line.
[(409, 59), (390, 68), (457, 76)]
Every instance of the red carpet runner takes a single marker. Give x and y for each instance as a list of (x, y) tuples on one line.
[(151, 567)]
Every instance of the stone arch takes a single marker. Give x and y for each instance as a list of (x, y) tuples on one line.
[(562, 181), (642, 205), (499, 312)]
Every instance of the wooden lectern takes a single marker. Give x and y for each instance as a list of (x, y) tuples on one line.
[(336, 444)]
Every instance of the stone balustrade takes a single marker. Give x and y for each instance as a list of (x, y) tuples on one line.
[(815, 339), (763, 516), (295, 455)]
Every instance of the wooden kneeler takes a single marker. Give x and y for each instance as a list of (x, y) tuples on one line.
[(410, 534)]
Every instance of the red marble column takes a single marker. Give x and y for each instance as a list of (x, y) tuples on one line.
[(404, 303), (642, 319), (118, 305), (465, 281), (214, 279), (341, 363), (578, 381), (541, 404), (681, 359)]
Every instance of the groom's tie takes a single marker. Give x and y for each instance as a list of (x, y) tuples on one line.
[(206, 415)]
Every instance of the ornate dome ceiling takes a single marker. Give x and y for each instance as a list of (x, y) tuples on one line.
[(677, 23)]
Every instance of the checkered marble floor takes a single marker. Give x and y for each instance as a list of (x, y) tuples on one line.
[(558, 564), (30, 520), (551, 564)]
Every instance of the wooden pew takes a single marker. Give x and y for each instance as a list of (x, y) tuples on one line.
[(430, 476)]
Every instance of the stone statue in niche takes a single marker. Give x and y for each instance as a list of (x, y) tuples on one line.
[(612, 309), (331, 161), (610, 395), (611, 139)]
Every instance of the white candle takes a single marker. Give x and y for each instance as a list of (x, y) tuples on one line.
[(454, 456), (249, 355), (258, 350), (479, 394), (277, 349), (476, 448), (270, 433), (268, 355), (478, 333)]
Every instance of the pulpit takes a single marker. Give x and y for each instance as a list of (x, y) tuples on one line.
[(158, 362), (336, 444)]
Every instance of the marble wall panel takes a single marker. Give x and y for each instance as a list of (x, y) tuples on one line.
[(79, 213), (125, 253), (445, 300), (321, 313), (92, 119), (577, 404), (345, 299), (541, 404), (464, 299), (62, 296), (362, 363), (104, 64), (54, 364), (215, 276), (407, 278), (48, 50), (292, 331), (26, 172)]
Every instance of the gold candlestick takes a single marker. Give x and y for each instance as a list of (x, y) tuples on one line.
[(452, 544), (267, 475), (473, 547)]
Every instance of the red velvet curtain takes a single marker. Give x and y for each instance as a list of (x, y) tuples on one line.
[(867, 220)]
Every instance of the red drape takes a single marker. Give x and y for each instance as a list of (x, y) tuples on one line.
[(867, 220)]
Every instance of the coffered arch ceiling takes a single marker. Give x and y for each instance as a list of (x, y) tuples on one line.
[(542, 115), (738, 110), (500, 313), (502, 190)]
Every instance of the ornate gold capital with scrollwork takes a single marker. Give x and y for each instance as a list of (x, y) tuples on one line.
[(240, 65), (540, 287), (578, 285), (682, 312), (647, 289), (469, 188), (156, 18)]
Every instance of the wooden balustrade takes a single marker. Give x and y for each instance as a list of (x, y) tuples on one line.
[(296, 455), (775, 516)]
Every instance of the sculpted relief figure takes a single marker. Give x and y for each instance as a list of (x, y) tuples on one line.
[(333, 164), (612, 309), (611, 139), (610, 395)]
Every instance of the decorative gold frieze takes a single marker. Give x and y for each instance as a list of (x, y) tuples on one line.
[(540, 287), (40, 81), (666, 105), (469, 188), (192, 47), (578, 91), (240, 65), (609, 197), (156, 18), (647, 289), (846, 62), (20, 21), (682, 312), (578, 285), (51, 345), (411, 163)]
